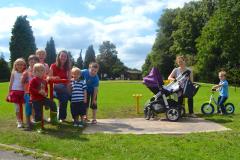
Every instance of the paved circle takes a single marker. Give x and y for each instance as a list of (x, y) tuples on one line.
[(142, 126)]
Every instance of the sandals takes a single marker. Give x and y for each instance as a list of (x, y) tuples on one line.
[(94, 121)]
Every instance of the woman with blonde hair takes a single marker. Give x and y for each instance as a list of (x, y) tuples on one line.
[(181, 62)]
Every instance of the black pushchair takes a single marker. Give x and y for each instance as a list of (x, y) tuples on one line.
[(161, 102)]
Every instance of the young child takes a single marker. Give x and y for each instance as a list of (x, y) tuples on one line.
[(223, 91), (41, 54), (78, 98), (92, 81), (26, 78), (16, 91), (38, 94)]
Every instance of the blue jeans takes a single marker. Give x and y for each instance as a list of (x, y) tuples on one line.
[(37, 105), (61, 93), (28, 105), (221, 100)]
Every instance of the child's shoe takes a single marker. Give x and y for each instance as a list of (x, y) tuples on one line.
[(75, 124), (81, 124), (19, 125)]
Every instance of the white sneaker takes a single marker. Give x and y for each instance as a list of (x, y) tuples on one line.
[(19, 125), (75, 125), (80, 125)]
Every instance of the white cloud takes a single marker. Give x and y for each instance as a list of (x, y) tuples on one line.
[(90, 5), (132, 31), (171, 4), (8, 16)]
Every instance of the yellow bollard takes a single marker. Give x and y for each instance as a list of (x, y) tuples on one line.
[(137, 96)]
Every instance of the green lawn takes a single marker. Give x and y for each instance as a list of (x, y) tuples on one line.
[(116, 101)]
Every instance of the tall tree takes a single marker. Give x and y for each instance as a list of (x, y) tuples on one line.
[(218, 46), (22, 42), (4, 69), (89, 56), (72, 61), (109, 63), (51, 52), (79, 62), (161, 56), (189, 22)]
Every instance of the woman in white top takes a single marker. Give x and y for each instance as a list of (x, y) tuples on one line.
[(180, 60)]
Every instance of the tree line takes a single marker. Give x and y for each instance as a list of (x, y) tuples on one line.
[(22, 44), (207, 32)]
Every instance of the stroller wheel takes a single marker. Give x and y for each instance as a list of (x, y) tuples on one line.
[(148, 113), (173, 114)]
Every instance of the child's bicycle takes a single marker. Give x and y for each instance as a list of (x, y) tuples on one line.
[(208, 108)]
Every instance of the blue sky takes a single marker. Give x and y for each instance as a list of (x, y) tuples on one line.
[(75, 24)]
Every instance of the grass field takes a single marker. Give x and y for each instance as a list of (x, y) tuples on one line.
[(115, 101)]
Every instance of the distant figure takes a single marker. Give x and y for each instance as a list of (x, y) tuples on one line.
[(223, 91), (16, 90), (180, 60), (92, 81)]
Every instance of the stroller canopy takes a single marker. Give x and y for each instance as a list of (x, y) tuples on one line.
[(153, 79)]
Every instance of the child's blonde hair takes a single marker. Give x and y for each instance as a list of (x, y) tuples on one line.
[(37, 67), (17, 61), (41, 51), (76, 69)]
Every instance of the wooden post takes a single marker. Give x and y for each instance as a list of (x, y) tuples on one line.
[(137, 97)]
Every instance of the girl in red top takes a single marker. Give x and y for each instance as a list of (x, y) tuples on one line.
[(38, 93), (61, 70)]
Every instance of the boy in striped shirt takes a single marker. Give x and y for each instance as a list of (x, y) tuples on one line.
[(78, 98)]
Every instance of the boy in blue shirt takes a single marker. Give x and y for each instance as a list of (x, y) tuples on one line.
[(92, 81), (223, 91)]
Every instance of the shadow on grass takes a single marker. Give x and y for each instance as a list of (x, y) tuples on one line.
[(219, 118), (64, 131)]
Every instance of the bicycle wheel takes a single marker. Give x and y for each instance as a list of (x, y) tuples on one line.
[(207, 108), (229, 108)]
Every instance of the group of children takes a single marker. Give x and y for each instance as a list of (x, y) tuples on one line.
[(29, 86)]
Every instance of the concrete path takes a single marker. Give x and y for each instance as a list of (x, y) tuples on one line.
[(142, 126), (11, 155)]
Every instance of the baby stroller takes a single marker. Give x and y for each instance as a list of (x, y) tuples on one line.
[(161, 102)]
